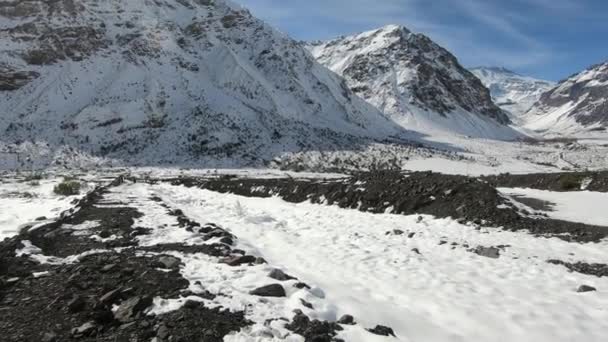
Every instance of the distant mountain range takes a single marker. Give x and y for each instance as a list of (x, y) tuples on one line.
[(170, 81), (577, 104), (415, 82), (205, 82), (512, 92)]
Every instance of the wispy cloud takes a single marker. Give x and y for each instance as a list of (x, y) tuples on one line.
[(490, 32)]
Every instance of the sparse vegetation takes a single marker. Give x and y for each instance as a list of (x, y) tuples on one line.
[(67, 188)]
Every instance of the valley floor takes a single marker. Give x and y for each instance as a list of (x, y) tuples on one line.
[(419, 277)]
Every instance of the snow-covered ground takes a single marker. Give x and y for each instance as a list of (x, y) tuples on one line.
[(445, 293), (576, 206), (22, 202)]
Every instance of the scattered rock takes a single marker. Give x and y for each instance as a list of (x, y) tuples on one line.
[(347, 320), (86, 329), (301, 286), (586, 288), (240, 260), (411, 235), (273, 290), (398, 232), (382, 331), (76, 304), (111, 297), (279, 275), (306, 304), (41, 218), (415, 250), (169, 262), (313, 330), (129, 309), (49, 337), (488, 252)]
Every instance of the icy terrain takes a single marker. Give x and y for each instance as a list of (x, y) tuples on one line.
[(415, 82), (512, 92)]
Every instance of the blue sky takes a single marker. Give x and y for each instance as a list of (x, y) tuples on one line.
[(548, 39)]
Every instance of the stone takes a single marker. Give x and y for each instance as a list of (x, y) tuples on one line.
[(306, 304), (398, 232), (240, 260), (49, 337), (86, 329), (272, 290), (169, 262), (586, 288), (104, 234), (411, 235), (347, 320), (111, 297), (488, 252), (382, 331), (279, 275), (76, 304), (129, 309)]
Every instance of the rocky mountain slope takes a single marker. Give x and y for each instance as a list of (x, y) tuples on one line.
[(577, 104), (512, 92), (414, 81), (169, 81)]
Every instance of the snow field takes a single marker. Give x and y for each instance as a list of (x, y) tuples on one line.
[(443, 294)]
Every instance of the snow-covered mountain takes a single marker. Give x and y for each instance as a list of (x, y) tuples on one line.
[(577, 104), (512, 92), (415, 82), (169, 81)]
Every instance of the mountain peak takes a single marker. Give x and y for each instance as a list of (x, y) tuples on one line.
[(496, 69), (406, 74)]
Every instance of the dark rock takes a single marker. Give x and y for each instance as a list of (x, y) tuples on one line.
[(111, 297), (104, 234), (49, 337), (169, 262), (279, 275), (41, 218), (240, 260), (488, 252), (586, 288), (301, 286), (227, 240), (382, 331), (411, 235), (260, 261), (306, 304), (76, 304), (347, 320), (129, 309), (86, 329), (273, 290), (398, 232), (315, 330), (415, 250)]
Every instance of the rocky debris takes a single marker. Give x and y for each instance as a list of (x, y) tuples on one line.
[(564, 181), (347, 320), (272, 290), (306, 304), (239, 260), (131, 308), (415, 250), (315, 330), (471, 199), (382, 331), (169, 262), (488, 252), (598, 270), (586, 288), (13, 80), (279, 275), (86, 329), (103, 296)]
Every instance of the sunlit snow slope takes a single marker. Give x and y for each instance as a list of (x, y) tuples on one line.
[(169, 81)]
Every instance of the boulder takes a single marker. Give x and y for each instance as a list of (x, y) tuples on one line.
[(272, 290)]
